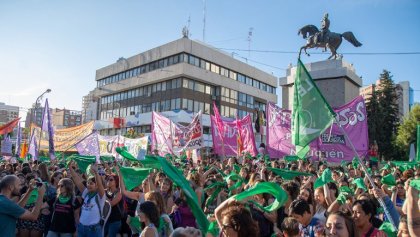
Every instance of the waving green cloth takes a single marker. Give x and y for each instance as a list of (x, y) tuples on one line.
[(388, 229), (355, 162), (291, 158), (133, 177), (346, 190), (405, 165), (213, 229), (124, 153), (266, 187), (326, 177), (218, 186), (190, 195), (150, 162), (386, 167), (288, 174), (389, 180), (360, 183), (84, 161)]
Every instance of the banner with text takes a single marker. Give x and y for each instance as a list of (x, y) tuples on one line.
[(352, 117), (136, 147), (231, 136), (173, 138)]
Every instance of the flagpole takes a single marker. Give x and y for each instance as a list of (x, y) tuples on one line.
[(381, 201)]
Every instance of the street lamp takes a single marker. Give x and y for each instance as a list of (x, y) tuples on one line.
[(37, 101)]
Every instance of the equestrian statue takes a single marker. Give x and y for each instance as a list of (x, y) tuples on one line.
[(325, 38)]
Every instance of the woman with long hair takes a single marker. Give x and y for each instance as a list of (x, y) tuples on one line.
[(166, 189), (149, 219), (113, 195), (340, 225), (165, 227), (65, 210), (307, 195)]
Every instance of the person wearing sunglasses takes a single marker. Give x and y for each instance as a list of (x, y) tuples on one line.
[(65, 210), (114, 196)]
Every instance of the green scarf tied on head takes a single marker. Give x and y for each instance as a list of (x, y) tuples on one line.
[(360, 184), (288, 174), (133, 177), (326, 177), (265, 187), (389, 180), (388, 229), (191, 197)]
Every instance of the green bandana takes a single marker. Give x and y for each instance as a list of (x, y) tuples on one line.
[(326, 177), (388, 229), (134, 223), (151, 162), (415, 184), (346, 191), (133, 177), (288, 174), (289, 159), (360, 184), (341, 198), (265, 187), (213, 229), (125, 154), (355, 162), (62, 199), (389, 180), (84, 161), (33, 197)]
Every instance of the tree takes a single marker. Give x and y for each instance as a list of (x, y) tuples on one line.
[(407, 131), (382, 109)]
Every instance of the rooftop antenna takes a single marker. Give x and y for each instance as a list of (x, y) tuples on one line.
[(204, 21), (186, 29), (249, 40)]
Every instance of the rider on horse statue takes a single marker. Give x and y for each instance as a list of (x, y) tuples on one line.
[(325, 25)]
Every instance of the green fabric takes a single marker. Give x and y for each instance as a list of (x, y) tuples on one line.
[(389, 180), (62, 199), (360, 184), (311, 114), (415, 183), (134, 223), (388, 229), (326, 177), (288, 174), (213, 229), (33, 197), (266, 187), (355, 162), (84, 161), (221, 173), (418, 144), (346, 190), (386, 167), (405, 165), (106, 158), (150, 162), (374, 158), (191, 196), (291, 158), (125, 154), (133, 177), (341, 198), (236, 168)]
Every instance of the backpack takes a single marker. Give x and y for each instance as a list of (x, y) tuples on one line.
[(105, 212)]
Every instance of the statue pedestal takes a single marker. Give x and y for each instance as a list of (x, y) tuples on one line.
[(336, 79)]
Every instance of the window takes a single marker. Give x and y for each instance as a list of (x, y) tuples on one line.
[(191, 84), (232, 75), (249, 81), (140, 91), (209, 90), (241, 78), (159, 86), (215, 68), (163, 86), (193, 61), (208, 66), (202, 64), (224, 72), (190, 105), (199, 87), (256, 84), (153, 88), (263, 86), (185, 82), (206, 108)]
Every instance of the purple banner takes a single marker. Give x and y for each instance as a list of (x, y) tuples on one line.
[(230, 137), (47, 128), (352, 117), (89, 146)]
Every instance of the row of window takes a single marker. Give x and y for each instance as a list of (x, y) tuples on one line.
[(190, 59)]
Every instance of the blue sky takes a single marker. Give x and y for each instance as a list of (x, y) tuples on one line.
[(60, 44)]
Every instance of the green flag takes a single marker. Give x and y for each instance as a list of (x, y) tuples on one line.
[(288, 174), (133, 177), (266, 187), (192, 200), (124, 153), (151, 162), (84, 161), (418, 143), (312, 115)]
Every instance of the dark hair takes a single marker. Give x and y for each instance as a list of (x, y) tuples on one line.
[(334, 187), (290, 226), (351, 227), (367, 207), (292, 188), (299, 207), (151, 211), (241, 220), (116, 179), (7, 181), (403, 219), (54, 175)]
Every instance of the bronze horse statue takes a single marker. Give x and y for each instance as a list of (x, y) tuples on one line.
[(325, 39)]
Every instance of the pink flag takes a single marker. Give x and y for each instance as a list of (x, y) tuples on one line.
[(230, 136), (352, 117)]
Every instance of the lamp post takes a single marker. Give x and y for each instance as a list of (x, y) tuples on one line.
[(34, 115)]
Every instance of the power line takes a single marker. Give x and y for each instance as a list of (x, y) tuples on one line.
[(296, 52)]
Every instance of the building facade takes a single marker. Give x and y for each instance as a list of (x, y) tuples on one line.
[(8, 113), (64, 118), (336, 79), (183, 75)]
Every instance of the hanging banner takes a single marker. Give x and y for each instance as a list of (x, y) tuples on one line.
[(352, 117), (6, 146), (173, 138), (230, 137), (136, 147)]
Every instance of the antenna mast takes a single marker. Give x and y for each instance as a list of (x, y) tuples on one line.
[(249, 40), (204, 21)]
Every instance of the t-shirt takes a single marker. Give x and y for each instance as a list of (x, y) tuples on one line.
[(90, 210), (63, 216), (309, 230), (9, 213)]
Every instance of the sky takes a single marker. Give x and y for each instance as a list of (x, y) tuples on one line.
[(60, 44)]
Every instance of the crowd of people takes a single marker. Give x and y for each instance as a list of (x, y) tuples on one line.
[(58, 198)]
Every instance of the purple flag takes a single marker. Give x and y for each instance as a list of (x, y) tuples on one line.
[(48, 128), (33, 147), (89, 146), (230, 136), (351, 116), (18, 141)]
